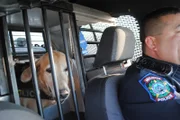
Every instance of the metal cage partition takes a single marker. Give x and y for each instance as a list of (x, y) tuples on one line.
[(60, 7)]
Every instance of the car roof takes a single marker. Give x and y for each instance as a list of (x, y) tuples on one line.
[(136, 8)]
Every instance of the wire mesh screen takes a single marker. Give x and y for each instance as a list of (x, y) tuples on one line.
[(86, 26), (92, 49), (88, 36), (131, 23), (98, 36), (124, 21), (101, 26)]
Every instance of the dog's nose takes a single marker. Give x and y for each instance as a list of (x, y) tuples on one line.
[(63, 93)]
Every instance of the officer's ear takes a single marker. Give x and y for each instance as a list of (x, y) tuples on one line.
[(151, 43)]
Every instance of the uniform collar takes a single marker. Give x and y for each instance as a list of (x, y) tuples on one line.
[(176, 68)]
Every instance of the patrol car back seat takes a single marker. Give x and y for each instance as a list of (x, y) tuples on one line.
[(10, 111), (101, 98)]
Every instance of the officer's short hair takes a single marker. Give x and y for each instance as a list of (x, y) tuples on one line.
[(149, 24)]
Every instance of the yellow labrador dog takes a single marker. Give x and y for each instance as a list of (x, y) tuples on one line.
[(45, 80)]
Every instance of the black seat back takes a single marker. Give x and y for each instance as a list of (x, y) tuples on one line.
[(101, 98)]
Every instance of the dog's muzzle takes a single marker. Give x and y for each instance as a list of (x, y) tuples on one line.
[(63, 95)]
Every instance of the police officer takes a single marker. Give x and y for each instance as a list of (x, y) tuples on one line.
[(150, 89)]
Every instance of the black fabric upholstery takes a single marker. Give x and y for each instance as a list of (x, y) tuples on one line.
[(10, 111), (101, 99), (117, 44)]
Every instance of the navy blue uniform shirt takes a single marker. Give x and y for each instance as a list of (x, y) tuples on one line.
[(147, 95)]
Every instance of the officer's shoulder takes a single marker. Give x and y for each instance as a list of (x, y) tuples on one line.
[(132, 70), (132, 74)]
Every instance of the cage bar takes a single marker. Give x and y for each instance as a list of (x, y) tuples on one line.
[(32, 62), (51, 59), (73, 90), (9, 63)]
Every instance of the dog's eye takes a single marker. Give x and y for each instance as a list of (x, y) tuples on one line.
[(48, 70), (66, 69)]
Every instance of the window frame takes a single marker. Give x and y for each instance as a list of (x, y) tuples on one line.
[(21, 29)]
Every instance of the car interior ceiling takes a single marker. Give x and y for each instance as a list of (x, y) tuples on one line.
[(136, 8)]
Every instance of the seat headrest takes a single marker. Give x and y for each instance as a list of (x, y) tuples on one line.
[(117, 44)]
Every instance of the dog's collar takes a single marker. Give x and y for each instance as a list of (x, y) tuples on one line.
[(30, 93), (26, 90)]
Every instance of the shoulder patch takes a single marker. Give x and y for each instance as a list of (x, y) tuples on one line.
[(157, 87)]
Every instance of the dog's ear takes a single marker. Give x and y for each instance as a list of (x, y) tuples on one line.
[(26, 75)]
